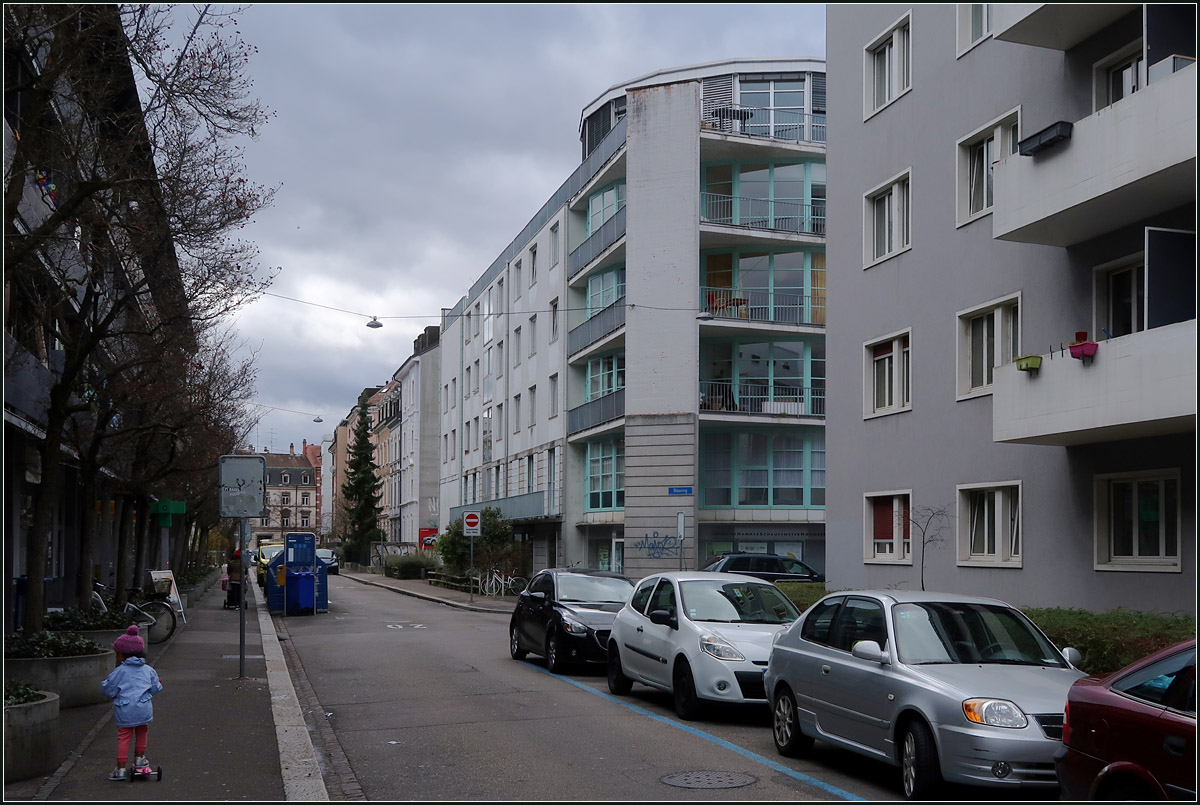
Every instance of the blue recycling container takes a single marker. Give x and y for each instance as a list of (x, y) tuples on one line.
[(300, 582)]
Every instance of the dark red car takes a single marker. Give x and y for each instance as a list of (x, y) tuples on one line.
[(1132, 734)]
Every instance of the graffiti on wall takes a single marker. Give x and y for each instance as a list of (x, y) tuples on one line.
[(655, 546)]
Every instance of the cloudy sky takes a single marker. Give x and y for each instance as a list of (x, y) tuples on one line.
[(410, 145)]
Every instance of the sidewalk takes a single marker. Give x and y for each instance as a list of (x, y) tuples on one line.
[(215, 736)]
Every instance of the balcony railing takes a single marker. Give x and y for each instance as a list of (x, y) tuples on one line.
[(764, 304), (609, 320), (763, 213), (597, 412), (758, 398), (772, 122), (609, 233)]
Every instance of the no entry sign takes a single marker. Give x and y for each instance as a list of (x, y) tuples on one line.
[(471, 524)]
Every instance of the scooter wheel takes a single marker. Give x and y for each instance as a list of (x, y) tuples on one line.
[(160, 774)]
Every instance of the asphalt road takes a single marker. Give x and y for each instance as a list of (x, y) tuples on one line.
[(409, 700)]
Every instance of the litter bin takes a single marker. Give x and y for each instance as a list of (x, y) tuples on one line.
[(301, 593)]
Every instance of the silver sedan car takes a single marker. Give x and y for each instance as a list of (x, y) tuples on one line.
[(947, 687)]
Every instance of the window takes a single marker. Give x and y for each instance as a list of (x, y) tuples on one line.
[(303, 479), (553, 395), (446, 397), (989, 336), (978, 153), (533, 335), (604, 289), (516, 352), (603, 205), (554, 320), (477, 318), (606, 475), (554, 245), (530, 474), (286, 497), (287, 479), (762, 470), (266, 520), (304, 519), (886, 227), (467, 437), (1120, 294), (499, 358), (888, 67), (532, 406), (475, 388), (887, 527), (1126, 78), (533, 265), (1138, 521), (1170, 682), (974, 25), (989, 524), (887, 375), (516, 413), (517, 279), (303, 498), (453, 392), (467, 380), (605, 375), (285, 521)]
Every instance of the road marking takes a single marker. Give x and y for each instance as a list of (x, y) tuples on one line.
[(409, 626), (765, 761)]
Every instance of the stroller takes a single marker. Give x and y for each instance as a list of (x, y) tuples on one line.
[(233, 593)]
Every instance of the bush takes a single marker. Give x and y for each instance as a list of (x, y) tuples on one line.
[(194, 575), (20, 693), (79, 620), (803, 593), (1111, 640), (48, 644), (409, 566)]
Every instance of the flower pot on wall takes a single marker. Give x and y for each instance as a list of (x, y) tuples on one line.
[(1083, 349), (1029, 363)]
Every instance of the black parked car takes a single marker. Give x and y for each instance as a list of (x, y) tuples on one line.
[(766, 566), (565, 615)]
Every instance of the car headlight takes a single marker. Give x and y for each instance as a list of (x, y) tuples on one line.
[(995, 713), (573, 626), (716, 647)]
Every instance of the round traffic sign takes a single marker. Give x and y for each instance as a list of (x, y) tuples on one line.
[(471, 520)]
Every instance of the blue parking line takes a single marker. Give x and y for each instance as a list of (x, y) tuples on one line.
[(757, 758)]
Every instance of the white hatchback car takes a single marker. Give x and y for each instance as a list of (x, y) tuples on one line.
[(697, 635)]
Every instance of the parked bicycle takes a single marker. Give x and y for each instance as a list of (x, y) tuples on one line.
[(154, 617), (501, 584)]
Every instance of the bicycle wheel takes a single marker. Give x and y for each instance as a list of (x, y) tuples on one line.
[(492, 586), (516, 585), (160, 621)]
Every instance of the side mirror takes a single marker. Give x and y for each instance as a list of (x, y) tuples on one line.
[(664, 617), (1072, 656), (870, 651)]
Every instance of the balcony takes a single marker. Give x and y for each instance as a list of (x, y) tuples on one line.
[(763, 213), (608, 234), (1136, 386), (757, 399), (1054, 26), (604, 409), (531, 506), (609, 320), (764, 305), (766, 122), (1123, 164)]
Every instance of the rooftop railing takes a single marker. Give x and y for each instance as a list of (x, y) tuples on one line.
[(771, 122)]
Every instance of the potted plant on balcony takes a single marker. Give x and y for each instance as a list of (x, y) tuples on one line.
[(1029, 363), (1081, 347)]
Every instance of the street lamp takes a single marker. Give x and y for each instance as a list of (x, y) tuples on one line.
[(374, 323)]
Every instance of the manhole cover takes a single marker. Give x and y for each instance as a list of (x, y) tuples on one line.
[(708, 779)]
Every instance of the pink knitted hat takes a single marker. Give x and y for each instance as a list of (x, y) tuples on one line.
[(129, 643)]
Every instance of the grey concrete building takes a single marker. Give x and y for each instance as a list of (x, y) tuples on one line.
[(1008, 180), (637, 382)]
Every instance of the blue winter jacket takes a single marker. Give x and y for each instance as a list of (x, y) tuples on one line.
[(130, 686)]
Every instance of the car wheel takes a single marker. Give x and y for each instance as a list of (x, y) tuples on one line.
[(918, 762), (514, 645), (618, 683), (555, 663), (789, 740), (683, 686), (1125, 791)]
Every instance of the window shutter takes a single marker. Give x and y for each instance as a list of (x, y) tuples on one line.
[(716, 93), (818, 91)]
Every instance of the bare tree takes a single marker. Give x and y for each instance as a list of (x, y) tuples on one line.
[(929, 524), (123, 197)]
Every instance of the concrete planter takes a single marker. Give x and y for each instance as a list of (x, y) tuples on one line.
[(76, 680), (29, 738)]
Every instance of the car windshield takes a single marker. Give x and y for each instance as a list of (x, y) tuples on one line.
[(325, 553), (269, 551), (593, 589), (937, 632), (736, 602), (791, 565)]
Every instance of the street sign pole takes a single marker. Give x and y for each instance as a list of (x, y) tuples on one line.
[(242, 483), (472, 522), (241, 599)]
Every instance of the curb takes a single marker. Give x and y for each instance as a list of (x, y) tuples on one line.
[(431, 598)]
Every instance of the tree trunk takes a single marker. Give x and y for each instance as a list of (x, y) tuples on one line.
[(121, 580), (37, 539), (139, 543), (87, 532)]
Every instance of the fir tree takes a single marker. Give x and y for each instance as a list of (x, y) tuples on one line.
[(361, 490)]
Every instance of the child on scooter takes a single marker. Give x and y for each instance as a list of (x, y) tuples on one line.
[(131, 686)]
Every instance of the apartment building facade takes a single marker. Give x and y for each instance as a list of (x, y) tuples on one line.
[(416, 448), (637, 382), (1012, 179), (293, 494)]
